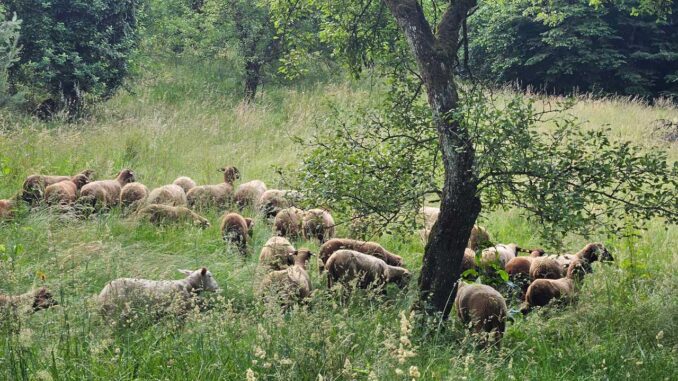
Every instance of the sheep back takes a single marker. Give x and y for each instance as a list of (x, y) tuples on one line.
[(346, 266), (277, 253), (133, 195), (186, 183), (318, 224), (545, 268), (249, 193), (234, 229), (160, 214), (365, 247), (482, 308), (172, 195), (288, 222)]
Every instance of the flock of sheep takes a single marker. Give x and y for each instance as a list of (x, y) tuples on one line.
[(351, 263)]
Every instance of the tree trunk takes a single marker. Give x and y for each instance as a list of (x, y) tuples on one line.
[(460, 205), (252, 79)]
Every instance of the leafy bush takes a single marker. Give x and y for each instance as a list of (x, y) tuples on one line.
[(573, 46), (71, 49)]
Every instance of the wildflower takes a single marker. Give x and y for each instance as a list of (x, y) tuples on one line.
[(250, 375), (414, 372), (399, 372), (43, 375), (259, 352), (372, 376), (660, 335)]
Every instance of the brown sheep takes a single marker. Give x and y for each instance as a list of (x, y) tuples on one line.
[(545, 268), (236, 229), (370, 248), (133, 195), (287, 223), (160, 214), (34, 185), (249, 194), (346, 266), (500, 254), (481, 308), (277, 253), (172, 195), (35, 300), (218, 195), (7, 209), (186, 183), (273, 201), (518, 270), (594, 252), (65, 192), (106, 193), (318, 224), (291, 285)]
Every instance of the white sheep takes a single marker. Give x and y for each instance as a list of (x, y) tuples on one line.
[(122, 296)]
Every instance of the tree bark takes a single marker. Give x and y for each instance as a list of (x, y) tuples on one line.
[(460, 205)]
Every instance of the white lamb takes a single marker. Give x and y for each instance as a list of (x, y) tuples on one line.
[(124, 295)]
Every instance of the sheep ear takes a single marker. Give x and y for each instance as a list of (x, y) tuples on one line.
[(203, 271), (186, 272)]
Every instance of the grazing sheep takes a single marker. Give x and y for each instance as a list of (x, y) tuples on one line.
[(291, 285), (34, 300), (370, 248), (288, 222), (106, 193), (345, 266), (518, 270), (479, 238), (273, 201), (594, 252), (468, 262), (159, 214), (7, 209), (172, 195), (481, 308), (124, 295), (218, 195), (133, 195), (65, 192), (545, 268), (318, 224), (237, 230), (501, 254), (34, 185), (249, 193), (277, 253), (186, 183)]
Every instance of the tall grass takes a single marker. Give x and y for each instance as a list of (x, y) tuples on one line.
[(187, 119)]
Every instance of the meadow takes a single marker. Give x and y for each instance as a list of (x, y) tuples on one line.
[(186, 118)]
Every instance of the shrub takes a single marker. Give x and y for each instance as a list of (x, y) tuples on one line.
[(9, 52), (73, 48), (576, 47)]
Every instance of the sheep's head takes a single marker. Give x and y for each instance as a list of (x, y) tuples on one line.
[(537, 252), (126, 176), (302, 256), (595, 252), (80, 180), (578, 268), (43, 299), (87, 173), (201, 222), (230, 174), (201, 280), (402, 277), (397, 260)]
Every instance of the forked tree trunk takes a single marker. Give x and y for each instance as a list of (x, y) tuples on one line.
[(460, 205)]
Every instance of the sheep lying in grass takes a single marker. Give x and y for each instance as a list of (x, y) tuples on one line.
[(7, 209), (273, 201), (291, 285), (249, 194), (237, 230), (34, 300), (65, 193), (186, 183), (165, 214), (277, 253), (122, 296), (219, 195), (318, 224), (481, 308), (172, 195), (370, 248), (347, 266), (34, 185), (133, 196), (500, 254), (288, 222), (106, 193)]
